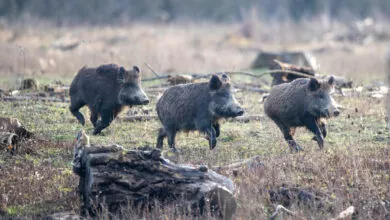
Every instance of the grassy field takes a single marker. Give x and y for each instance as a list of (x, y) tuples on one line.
[(353, 169)]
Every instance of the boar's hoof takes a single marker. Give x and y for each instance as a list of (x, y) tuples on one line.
[(315, 138), (294, 146), (175, 150), (212, 143), (96, 132)]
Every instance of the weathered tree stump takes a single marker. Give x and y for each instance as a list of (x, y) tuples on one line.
[(29, 83), (12, 132), (265, 59), (179, 79), (113, 178), (13, 125), (285, 77), (8, 141)]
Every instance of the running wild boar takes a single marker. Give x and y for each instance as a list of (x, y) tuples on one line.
[(196, 106), (302, 103), (105, 90)]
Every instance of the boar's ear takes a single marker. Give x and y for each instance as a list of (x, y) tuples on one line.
[(121, 75), (136, 69), (215, 83), (331, 81), (314, 84), (225, 78)]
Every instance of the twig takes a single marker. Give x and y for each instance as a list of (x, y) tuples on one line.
[(281, 208), (151, 69), (250, 89), (260, 75)]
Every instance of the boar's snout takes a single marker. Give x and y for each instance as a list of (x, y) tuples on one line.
[(235, 111), (136, 98), (239, 112), (144, 102), (133, 100), (336, 113)]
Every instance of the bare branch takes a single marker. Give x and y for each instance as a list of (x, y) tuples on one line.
[(151, 69), (281, 208)]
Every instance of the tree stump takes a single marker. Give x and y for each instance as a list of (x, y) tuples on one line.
[(29, 83), (8, 141), (265, 59), (117, 179), (13, 125), (283, 77)]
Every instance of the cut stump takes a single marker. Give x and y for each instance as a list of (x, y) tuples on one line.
[(115, 179)]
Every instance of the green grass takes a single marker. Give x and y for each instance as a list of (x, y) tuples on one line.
[(343, 167)]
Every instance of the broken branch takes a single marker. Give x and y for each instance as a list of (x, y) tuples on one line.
[(281, 208), (151, 69)]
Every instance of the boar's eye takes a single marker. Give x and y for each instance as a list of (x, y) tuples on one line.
[(224, 95)]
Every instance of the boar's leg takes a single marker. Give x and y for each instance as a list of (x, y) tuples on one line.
[(288, 134), (171, 134), (74, 109), (323, 130), (216, 127), (211, 137), (312, 125), (104, 122), (322, 126), (94, 117), (160, 138)]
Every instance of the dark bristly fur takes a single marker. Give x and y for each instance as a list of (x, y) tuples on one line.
[(302, 103), (105, 90), (196, 106)]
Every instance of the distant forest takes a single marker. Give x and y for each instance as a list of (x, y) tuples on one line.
[(104, 11)]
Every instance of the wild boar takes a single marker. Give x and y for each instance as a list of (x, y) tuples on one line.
[(196, 106), (302, 103), (105, 90)]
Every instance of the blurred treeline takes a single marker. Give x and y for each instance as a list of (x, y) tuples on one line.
[(106, 11)]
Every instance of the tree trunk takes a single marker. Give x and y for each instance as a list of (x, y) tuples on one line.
[(113, 178)]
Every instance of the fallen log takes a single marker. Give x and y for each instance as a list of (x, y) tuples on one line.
[(243, 119), (282, 76), (34, 98), (248, 164), (247, 118), (138, 118), (250, 88), (142, 180)]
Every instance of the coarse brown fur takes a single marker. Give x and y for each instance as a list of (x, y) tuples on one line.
[(196, 106), (105, 90), (302, 103)]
